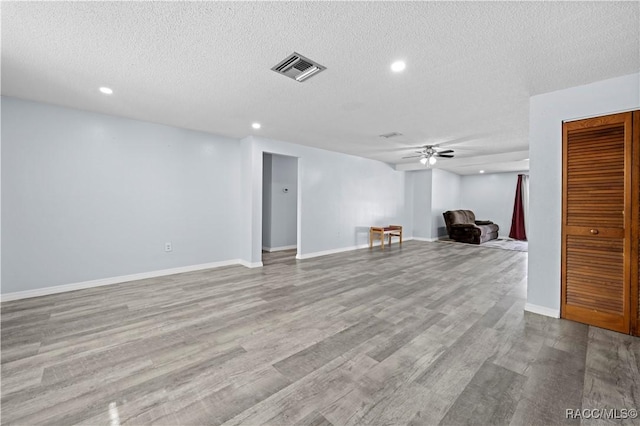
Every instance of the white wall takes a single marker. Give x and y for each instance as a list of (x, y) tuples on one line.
[(88, 196), (266, 200), (434, 191), (248, 211), (546, 113), (339, 197), (421, 205), (445, 196), (282, 221), (491, 196), (409, 207)]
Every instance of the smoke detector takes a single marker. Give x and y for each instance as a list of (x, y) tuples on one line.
[(298, 67)]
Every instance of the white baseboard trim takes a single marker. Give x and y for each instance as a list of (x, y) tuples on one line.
[(429, 240), (326, 252), (272, 249), (343, 249), (542, 310), (114, 280), (249, 264)]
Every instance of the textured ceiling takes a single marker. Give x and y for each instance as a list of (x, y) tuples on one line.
[(471, 68)]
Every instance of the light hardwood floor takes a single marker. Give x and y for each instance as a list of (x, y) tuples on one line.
[(426, 333)]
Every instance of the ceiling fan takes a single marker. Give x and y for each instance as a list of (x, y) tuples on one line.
[(429, 154)]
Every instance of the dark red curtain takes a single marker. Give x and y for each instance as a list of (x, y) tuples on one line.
[(517, 221)]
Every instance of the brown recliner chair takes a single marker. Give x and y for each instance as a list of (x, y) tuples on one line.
[(463, 227)]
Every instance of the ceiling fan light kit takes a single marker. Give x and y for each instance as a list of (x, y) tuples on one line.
[(428, 161), (428, 154)]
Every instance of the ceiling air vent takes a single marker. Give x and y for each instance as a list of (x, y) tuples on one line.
[(390, 135), (298, 67)]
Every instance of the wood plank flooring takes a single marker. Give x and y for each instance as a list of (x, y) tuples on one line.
[(422, 334)]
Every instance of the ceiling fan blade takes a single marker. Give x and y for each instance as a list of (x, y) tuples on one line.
[(413, 156), (446, 151), (444, 155)]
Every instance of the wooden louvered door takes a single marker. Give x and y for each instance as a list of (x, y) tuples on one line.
[(596, 221)]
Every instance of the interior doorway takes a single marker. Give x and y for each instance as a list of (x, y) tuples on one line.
[(279, 208)]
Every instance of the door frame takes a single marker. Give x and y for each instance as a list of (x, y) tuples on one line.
[(635, 228)]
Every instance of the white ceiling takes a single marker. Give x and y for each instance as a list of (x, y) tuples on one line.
[(471, 68)]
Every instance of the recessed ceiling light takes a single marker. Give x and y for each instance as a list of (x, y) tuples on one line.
[(106, 90), (398, 66), (256, 125), (481, 171)]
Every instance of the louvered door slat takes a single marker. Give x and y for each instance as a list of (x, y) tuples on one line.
[(607, 170)]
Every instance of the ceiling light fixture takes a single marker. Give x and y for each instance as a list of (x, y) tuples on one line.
[(428, 158), (481, 171), (106, 90), (398, 66), (256, 125)]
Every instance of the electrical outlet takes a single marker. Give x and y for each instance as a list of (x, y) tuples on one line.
[(168, 247)]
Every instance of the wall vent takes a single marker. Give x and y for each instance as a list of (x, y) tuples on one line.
[(298, 67), (390, 135)]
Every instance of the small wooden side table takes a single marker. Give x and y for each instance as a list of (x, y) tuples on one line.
[(380, 232)]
